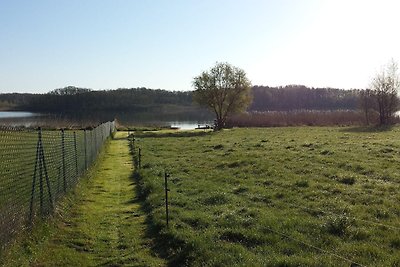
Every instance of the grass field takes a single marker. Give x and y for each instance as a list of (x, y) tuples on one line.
[(301, 196)]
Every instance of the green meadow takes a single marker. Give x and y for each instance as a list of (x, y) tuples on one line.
[(295, 196)]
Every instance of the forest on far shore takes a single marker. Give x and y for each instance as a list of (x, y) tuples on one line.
[(74, 99)]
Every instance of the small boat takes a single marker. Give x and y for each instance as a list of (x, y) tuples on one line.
[(200, 127)]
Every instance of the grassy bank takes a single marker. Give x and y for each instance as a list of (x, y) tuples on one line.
[(276, 196)]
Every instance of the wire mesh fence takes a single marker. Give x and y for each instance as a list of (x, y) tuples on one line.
[(37, 167)]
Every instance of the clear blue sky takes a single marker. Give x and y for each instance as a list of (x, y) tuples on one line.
[(103, 44)]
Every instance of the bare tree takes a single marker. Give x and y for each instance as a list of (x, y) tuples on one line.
[(367, 103), (385, 86), (224, 89)]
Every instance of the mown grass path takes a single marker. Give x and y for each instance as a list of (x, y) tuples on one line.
[(105, 227)]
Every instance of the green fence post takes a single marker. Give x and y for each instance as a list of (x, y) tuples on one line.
[(63, 159), (85, 145), (76, 157)]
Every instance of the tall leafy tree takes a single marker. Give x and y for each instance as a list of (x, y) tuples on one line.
[(224, 89)]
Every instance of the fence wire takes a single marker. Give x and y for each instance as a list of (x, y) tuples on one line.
[(37, 167)]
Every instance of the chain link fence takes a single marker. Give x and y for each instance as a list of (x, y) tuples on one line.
[(37, 167)]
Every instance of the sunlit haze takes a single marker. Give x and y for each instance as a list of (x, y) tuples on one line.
[(164, 44)]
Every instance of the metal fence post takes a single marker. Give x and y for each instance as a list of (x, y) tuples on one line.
[(166, 175), (85, 145), (76, 156), (95, 141), (140, 158), (40, 172), (46, 175), (58, 178), (91, 146), (63, 159), (34, 182), (40, 161)]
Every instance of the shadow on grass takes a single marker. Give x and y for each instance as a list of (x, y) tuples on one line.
[(367, 129), (166, 245)]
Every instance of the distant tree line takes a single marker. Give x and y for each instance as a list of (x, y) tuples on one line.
[(74, 99), (299, 97), (15, 101)]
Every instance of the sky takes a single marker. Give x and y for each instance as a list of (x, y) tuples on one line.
[(110, 44)]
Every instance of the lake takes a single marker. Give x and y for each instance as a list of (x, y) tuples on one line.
[(17, 114), (182, 120)]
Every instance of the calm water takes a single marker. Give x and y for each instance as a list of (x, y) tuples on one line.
[(184, 121), (189, 125), (17, 114)]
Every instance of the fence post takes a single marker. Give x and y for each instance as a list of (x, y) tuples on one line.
[(46, 175), (40, 162), (95, 141), (63, 159), (58, 178), (34, 182), (91, 146), (85, 145), (40, 171), (76, 156), (140, 158), (166, 175)]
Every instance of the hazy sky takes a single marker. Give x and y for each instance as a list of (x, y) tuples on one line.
[(103, 44)]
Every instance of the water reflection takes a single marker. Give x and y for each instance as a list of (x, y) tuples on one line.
[(189, 125), (16, 114), (184, 120)]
